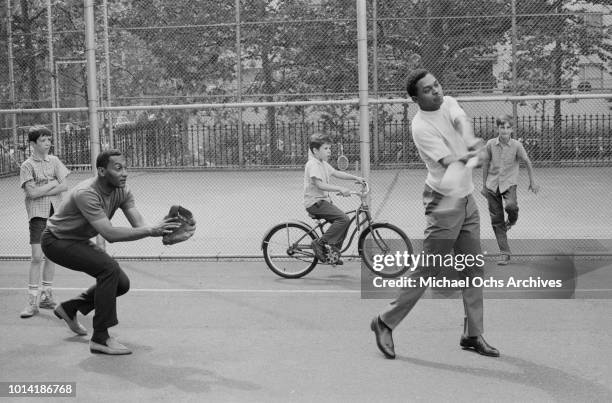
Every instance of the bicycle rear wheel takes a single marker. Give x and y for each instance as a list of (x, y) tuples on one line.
[(287, 250), (383, 239)]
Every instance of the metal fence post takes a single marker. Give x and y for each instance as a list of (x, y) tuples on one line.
[(362, 56), (11, 60), (514, 60), (375, 136), (51, 67), (239, 85), (108, 115), (92, 92)]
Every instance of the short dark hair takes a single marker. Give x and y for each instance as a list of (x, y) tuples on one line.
[(505, 118), (36, 132), (104, 157), (413, 79), (317, 140)]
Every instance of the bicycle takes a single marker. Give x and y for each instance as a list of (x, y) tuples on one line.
[(288, 252)]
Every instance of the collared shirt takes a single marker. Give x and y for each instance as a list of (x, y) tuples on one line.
[(504, 163), (85, 203), (320, 170), (40, 172), (435, 137)]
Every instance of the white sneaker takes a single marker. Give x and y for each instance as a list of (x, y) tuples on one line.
[(46, 300), (31, 308)]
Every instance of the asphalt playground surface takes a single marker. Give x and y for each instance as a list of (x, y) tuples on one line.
[(235, 332)]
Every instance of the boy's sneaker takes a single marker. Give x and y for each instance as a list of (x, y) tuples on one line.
[(31, 308), (319, 250), (46, 300), (336, 251), (503, 260)]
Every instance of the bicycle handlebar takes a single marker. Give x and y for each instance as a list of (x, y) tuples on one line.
[(365, 189)]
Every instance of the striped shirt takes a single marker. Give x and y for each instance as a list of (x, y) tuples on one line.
[(40, 172), (503, 160)]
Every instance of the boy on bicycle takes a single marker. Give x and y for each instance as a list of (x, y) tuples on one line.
[(317, 173)]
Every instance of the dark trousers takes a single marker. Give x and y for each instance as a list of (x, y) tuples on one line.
[(340, 222), (498, 202), (457, 230), (86, 257)]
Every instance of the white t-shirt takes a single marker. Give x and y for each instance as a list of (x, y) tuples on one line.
[(435, 137), (319, 170)]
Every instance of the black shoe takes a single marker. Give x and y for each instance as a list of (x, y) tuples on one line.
[(384, 339), (319, 250), (479, 345)]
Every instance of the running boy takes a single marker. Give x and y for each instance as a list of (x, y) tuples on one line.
[(316, 195), (42, 178), (499, 181)]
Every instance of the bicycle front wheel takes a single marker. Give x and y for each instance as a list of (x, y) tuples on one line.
[(287, 250), (381, 240)]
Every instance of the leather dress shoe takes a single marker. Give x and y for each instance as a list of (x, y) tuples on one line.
[(479, 345), (112, 347), (72, 323), (384, 339)]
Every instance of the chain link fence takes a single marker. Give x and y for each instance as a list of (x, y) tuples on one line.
[(167, 53)]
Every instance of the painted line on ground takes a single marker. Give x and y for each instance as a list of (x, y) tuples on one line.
[(268, 291), (204, 290)]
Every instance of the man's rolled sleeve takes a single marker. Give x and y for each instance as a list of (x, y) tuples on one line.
[(89, 204), (129, 201)]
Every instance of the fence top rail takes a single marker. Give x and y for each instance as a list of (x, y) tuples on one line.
[(351, 101)]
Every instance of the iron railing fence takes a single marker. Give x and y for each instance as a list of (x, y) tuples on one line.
[(582, 139)]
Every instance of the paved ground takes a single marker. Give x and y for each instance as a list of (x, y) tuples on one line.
[(219, 331)]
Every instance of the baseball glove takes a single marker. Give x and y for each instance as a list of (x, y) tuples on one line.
[(187, 228)]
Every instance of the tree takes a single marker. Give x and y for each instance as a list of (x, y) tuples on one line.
[(187, 42), (453, 39), (548, 49), (29, 48)]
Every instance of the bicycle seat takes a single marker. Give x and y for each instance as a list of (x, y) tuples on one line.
[(314, 217)]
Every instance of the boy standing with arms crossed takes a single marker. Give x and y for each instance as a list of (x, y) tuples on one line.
[(317, 173), (42, 178), (499, 180)]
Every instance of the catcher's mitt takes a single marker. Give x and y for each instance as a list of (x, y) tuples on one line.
[(185, 231)]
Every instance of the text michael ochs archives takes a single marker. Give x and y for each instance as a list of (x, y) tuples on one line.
[(443, 282)]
